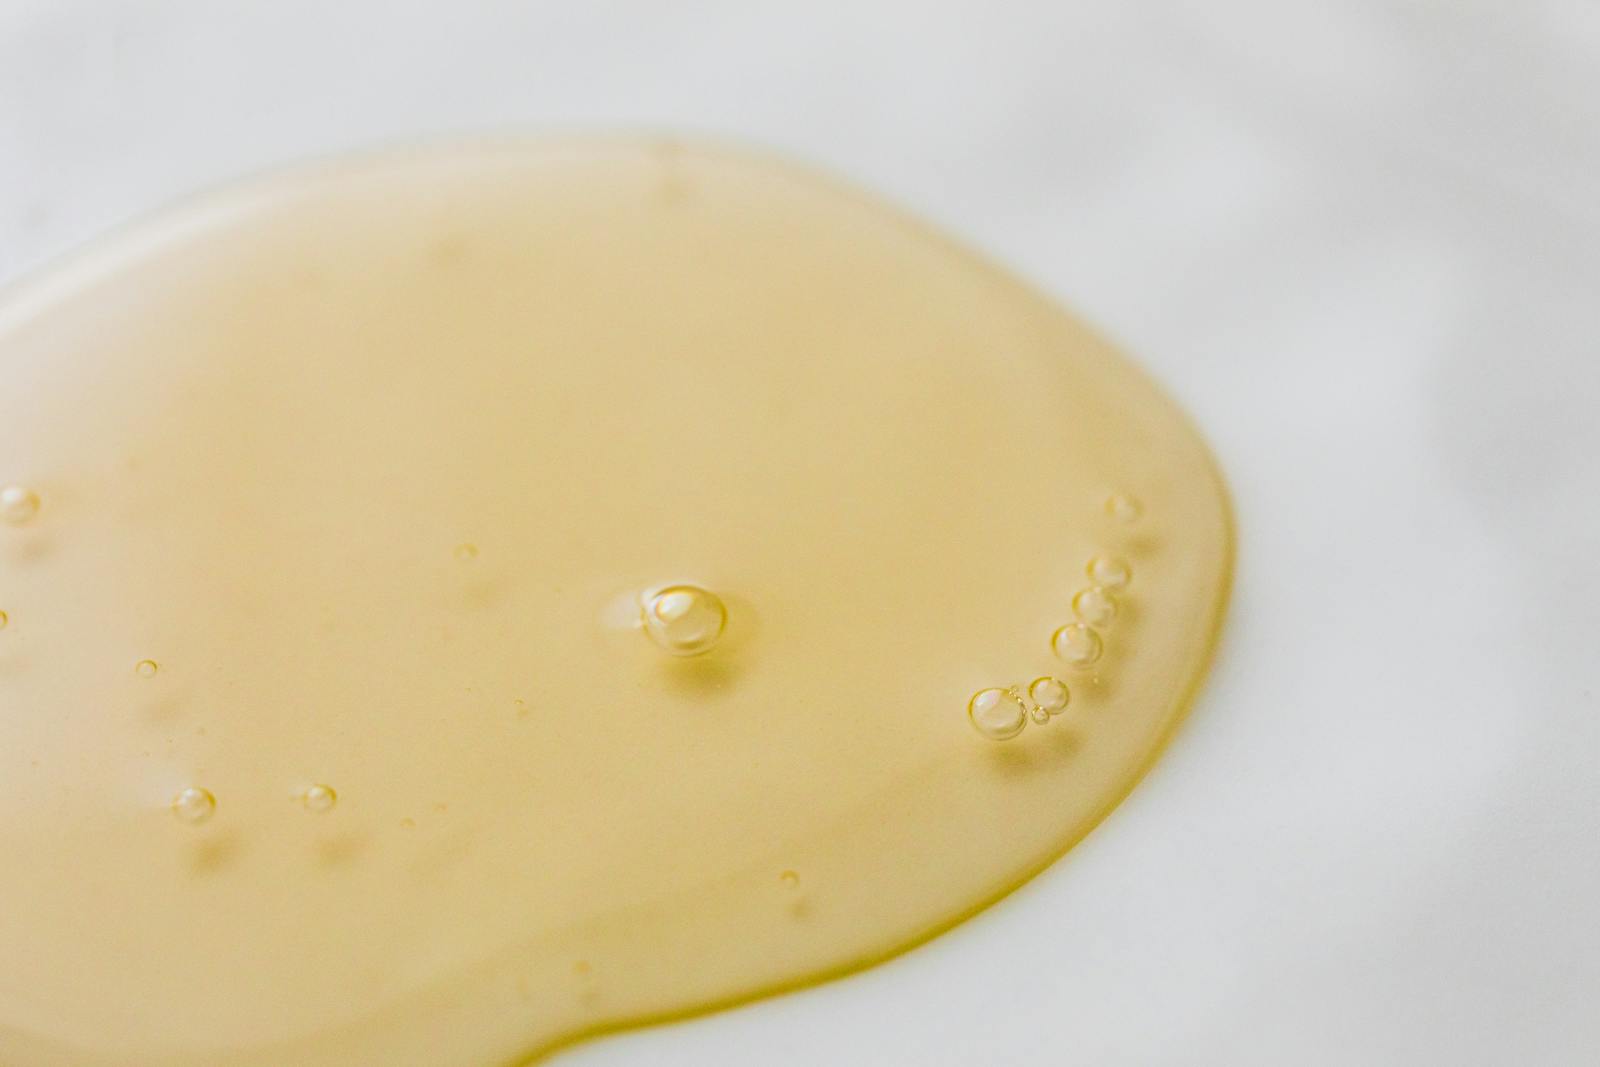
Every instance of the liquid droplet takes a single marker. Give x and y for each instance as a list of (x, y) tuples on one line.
[(1051, 694), (1078, 645), (1125, 509), (1094, 605), (18, 504), (194, 805), (685, 620), (1109, 572), (146, 668), (790, 879), (320, 798), (997, 714)]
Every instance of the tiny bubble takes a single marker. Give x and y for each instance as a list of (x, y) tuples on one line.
[(18, 504), (466, 552), (1094, 605), (1109, 572), (790, 879), (685, 620), (1050, 694), (194, 805), (320, 798), (1125, 509), (146, 668), (1078, 645), (997, 714)]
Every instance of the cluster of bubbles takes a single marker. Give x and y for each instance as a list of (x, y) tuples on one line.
[(195, 805), (191, 804), (1001, 713), (1079, 644)]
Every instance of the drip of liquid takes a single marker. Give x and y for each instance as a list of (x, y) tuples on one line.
[(262, 429)]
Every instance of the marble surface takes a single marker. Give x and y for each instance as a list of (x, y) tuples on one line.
[(1359, 240)]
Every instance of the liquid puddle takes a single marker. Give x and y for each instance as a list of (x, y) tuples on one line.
[(632, 537)]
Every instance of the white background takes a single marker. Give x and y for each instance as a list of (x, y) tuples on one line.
[(1360, 241)]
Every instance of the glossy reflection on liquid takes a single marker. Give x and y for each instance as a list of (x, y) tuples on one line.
[(362, 456)]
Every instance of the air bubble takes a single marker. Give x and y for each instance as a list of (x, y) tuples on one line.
[(1050, 694), (466, 553), (146, 668), (790, 880), (319, 798), (1078, 645), (1109, 572), (194, 805), (4, 618), (18, 504), (1125, 509), (1094, 605), (997, 713), (685, 620)]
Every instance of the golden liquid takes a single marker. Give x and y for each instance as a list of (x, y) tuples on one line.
[(329, 730)]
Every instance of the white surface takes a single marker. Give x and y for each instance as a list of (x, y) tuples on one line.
[(1360, 241)]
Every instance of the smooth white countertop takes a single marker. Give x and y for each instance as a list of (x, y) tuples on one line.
[(1359, 240)]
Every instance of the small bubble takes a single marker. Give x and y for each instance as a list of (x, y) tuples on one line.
[(1109, 572), (408, 824), (466, 553), (1094, 605), (1049, 693), (1078, 645), (194, 805), (4, 618), (1125, 509), (684, 619), (1039, 715), (18, 504), (997, 713), (146, 668), (790, 879), (319, 798)]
